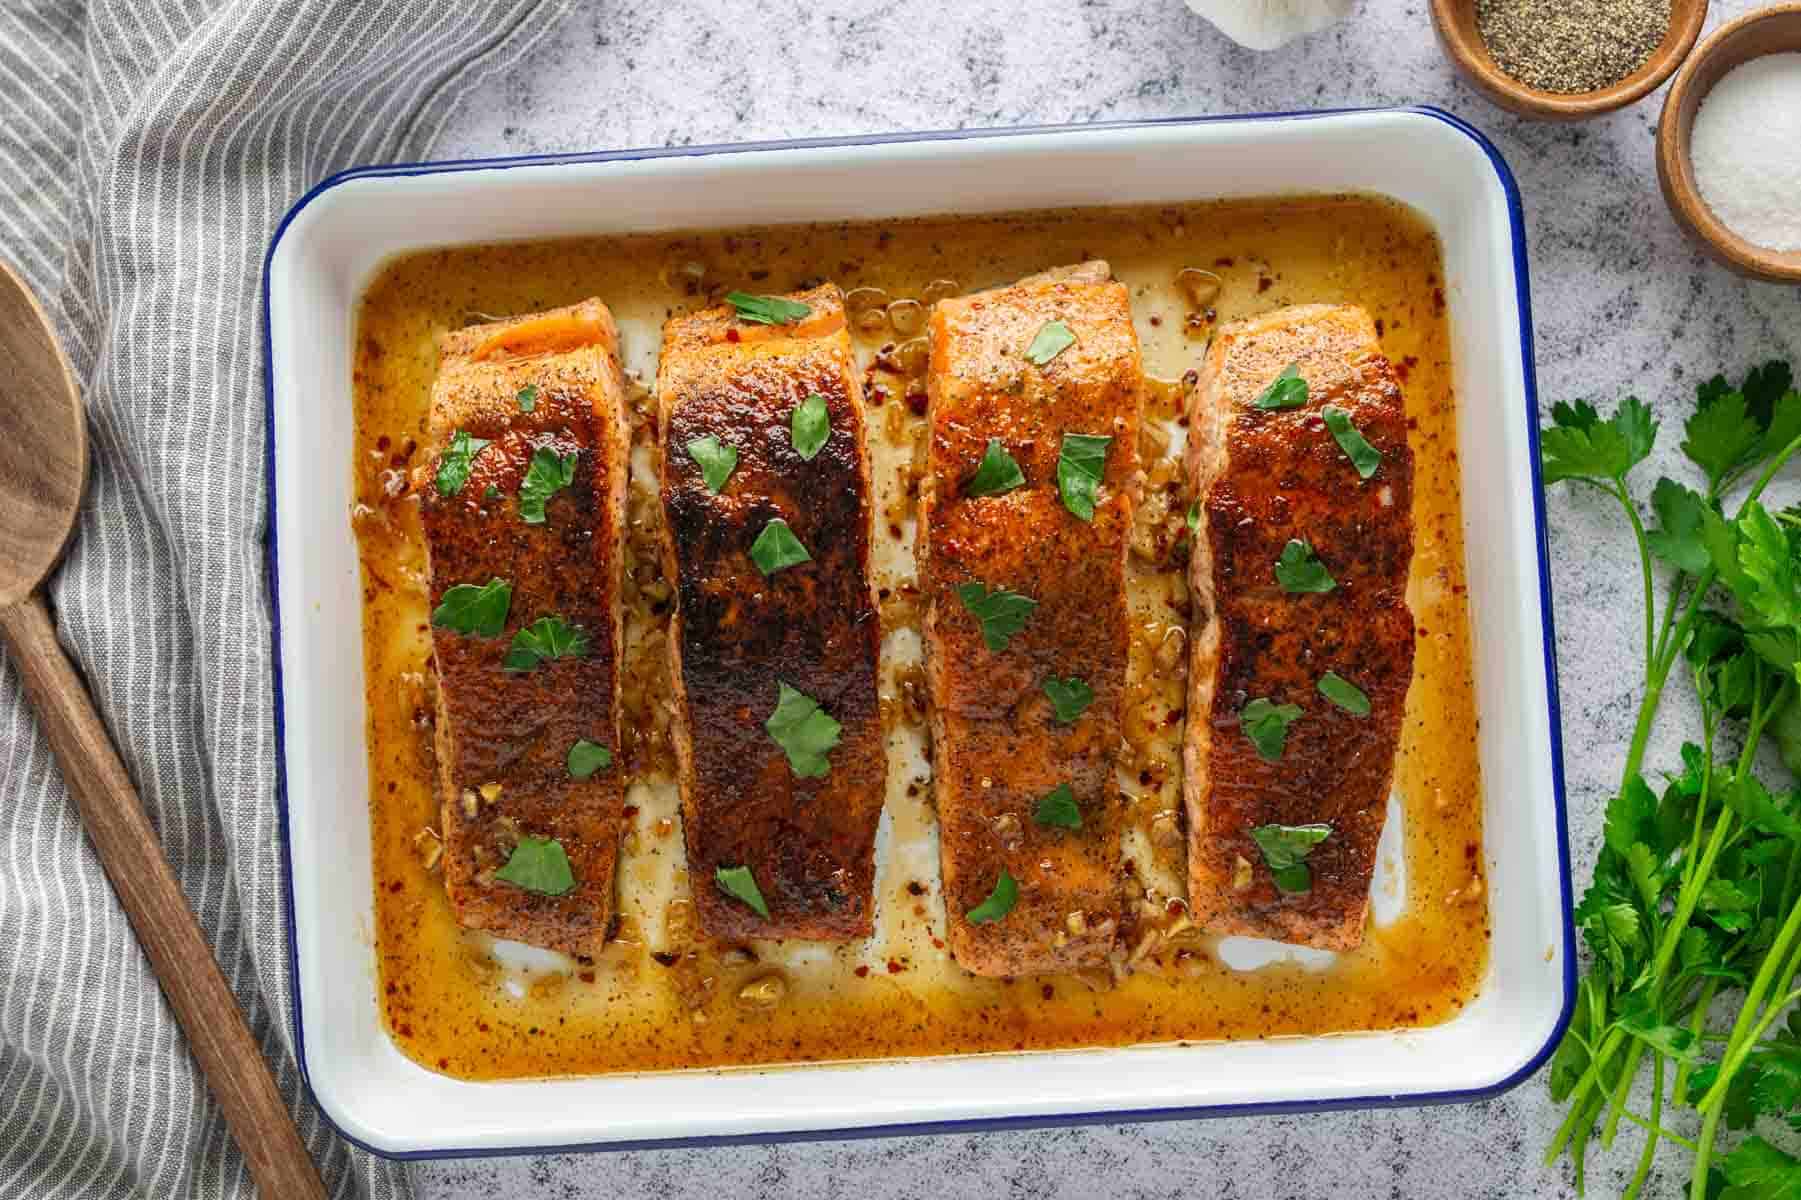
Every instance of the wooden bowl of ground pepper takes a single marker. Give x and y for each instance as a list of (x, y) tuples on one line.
[(1567, 60)]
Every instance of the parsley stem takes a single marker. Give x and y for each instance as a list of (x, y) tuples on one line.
[(1696, 1022), (1663, 1131), (1738, 1048), (1697, 1185), (1621, 1088), (1652, 1131), (1644, 562)]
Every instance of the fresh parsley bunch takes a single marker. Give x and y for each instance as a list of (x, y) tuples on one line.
[(1696, 897)]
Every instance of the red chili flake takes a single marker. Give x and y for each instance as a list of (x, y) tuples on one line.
[(381, 443), (586, 977), (732, 335), (395, 887), (443, 1064), (916, 403), (482, 1025), (1438, 298), (862, 972), (1049, 991), (1265, 283), (1223, 262), (631, 810), (894, 968), (664, 958), (937, 944), (1380, 326), (405, 1030), (1156, 322), (391, 988), (916, 888)]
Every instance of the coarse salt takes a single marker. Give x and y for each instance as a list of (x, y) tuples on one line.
[(1746, 151)]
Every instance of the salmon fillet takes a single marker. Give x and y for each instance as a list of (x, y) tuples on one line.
[(999, 747), (739, 636), (1267, 477), (504, 736)]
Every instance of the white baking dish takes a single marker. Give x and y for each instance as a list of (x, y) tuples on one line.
[(326, 251)]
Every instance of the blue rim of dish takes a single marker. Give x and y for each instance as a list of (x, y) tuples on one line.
[(1516, 222)]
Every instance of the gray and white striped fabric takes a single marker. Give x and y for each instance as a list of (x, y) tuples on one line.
[(147, 149)]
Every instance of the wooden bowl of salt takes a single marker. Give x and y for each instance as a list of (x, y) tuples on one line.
[(1729, 145)]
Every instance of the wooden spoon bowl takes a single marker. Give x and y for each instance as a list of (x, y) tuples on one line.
[(1455, 21), (1775, 30)]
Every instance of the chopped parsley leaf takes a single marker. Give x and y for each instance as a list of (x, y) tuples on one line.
[(1287, 390), (477, 610), (1058, 809), (548, 474), (741, 885), (1266, 724), (538, 864), (543, 640), (1365, 457), (1344, 693), (1069, 697), (804, 731), (587, 757), (1080, 465), (1001, 613), (776, 548), (454, 463), (1052, 339), (767, 310), (1000, 901), (717, 460), (810, 426), (1285, 850), (1300, 570), (997, 473)]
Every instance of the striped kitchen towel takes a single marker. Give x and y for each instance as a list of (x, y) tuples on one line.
[(147, 150)]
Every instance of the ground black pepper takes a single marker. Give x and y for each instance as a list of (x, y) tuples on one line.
[(1572, 46)]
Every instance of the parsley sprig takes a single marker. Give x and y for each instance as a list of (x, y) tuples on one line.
[(1697, 889)]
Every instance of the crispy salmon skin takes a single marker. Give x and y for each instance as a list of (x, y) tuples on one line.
[(1270, 471), (547, 385), (740, 635), (1000, 748)]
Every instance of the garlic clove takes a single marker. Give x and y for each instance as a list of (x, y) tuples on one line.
[(1267, 24)]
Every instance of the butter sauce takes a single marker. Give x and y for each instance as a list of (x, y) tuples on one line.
[(661, 996)]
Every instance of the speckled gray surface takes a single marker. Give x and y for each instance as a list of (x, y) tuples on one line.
[(1620, 301)]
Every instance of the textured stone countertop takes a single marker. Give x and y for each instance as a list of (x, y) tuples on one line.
[(1621, 304)]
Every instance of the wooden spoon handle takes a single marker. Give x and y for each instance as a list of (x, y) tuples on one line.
[(178, 951)]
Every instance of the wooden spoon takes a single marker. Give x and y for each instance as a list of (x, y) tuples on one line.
[(43, 466)]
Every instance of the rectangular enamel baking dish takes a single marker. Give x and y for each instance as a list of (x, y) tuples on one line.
[(326, 251)]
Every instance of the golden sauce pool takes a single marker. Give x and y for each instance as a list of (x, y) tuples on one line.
[(662, 995)]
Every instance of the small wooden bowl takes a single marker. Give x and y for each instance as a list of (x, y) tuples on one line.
[(1455, 21), (1773, 30)]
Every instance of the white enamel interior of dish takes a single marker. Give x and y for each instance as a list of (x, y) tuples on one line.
[(335, 242)]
